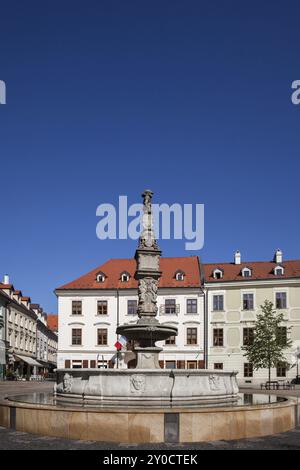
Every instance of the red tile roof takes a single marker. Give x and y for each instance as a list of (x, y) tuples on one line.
[(260, 270), (52, 321), (114, 268), (35, 306), (6, 286)]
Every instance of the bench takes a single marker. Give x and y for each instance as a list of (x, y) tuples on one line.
[(270, 385), (276, 385)]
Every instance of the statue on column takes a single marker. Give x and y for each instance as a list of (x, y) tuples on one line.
[(147, 238)]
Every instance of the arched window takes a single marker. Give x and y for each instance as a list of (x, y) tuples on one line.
[(125, 276), (279, 271), (101, 277), (246, 272), (217, 273), (179, 276)]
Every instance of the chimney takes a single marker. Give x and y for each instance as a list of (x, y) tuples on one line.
[(6, 279), (278, 256), (237, 257)]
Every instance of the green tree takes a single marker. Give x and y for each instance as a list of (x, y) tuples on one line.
[(268, 345)]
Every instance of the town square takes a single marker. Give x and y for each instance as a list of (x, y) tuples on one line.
[(150, 263)]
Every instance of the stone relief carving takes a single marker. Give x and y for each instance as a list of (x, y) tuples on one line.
[(67, 382), (137, 383), (214, 382), (148, 295)]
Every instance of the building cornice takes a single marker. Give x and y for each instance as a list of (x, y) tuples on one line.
[(123, 292), (252, 283)]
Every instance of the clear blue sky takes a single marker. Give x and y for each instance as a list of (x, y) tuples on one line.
[(189, 98)]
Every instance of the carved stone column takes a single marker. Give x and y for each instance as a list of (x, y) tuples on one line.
[(147, 330)]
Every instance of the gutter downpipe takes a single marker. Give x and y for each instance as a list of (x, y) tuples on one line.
[(118, 321), (206, 328)]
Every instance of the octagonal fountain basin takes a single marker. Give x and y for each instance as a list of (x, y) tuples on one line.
[(146, 387), (248, 416)]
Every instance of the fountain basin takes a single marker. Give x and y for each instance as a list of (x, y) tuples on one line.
[(147, 333), (250, 416), (131, 387)]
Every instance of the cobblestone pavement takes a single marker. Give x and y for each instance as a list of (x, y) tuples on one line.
[(15, 440)]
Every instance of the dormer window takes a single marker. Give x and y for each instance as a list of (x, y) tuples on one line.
[(217, 273), (246, 272), (125, 277), (101, 277), (279, 271), (179, 276)]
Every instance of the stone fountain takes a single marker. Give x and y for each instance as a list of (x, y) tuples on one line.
[(147, 383)]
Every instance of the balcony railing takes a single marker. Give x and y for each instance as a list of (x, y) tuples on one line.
[(169, 309)]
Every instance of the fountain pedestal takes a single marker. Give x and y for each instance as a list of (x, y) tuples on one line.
[(147, 358)]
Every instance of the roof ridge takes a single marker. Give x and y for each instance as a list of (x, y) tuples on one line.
[(252, 262)]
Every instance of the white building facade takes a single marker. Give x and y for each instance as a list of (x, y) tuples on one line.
[(214, 307), (91, 308)]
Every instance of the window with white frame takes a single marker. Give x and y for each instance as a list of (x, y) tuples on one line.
[(125, 277), (191, 306), (102, 307), (281, 369), (246, 272), (279, 271), (100, 277), (217, 273), (171, 340), (218, 337), (191, 335), (218, 302), (170, 306), (248, 369), (131, 307), (280, 300), (76, 307), (248, 301), (179, 276)]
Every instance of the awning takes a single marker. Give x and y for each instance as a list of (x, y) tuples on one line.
[(29, 360)]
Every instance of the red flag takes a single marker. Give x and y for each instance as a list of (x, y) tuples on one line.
[(118, 345)]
